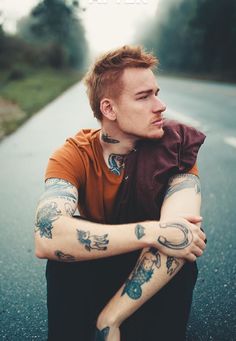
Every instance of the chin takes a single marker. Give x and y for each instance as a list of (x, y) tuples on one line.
[(149, 135), (155, 135)]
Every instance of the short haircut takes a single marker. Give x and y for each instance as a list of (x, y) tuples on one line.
[(104, 77)]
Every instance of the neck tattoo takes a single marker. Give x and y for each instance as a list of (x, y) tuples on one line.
[(106, 138), (116, 163)]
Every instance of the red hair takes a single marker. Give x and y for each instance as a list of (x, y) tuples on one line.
[(104, 77)]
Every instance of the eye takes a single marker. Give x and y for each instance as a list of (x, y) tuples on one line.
[(146, 96)]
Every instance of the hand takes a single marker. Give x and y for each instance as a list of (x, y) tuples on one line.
[(181, 238)]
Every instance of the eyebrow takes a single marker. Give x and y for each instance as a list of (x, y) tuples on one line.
[(148, 91)]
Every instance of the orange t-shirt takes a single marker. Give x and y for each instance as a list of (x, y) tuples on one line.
[(80, 161)]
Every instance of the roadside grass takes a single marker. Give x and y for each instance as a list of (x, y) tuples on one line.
[(21, 98)]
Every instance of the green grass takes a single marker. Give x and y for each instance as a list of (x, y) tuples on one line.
[(33, 92), (39, 88)]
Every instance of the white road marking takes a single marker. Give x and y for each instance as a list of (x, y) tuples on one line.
[(231, 141), (183, 118)]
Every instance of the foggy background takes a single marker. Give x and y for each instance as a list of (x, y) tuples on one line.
[(45, 48)]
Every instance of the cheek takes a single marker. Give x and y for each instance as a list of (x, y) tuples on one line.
[(132, 114)]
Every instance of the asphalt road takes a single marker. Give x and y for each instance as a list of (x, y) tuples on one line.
[(206, 105)]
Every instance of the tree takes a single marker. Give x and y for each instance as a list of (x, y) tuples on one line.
[(216, 20), (56, 24), (195, 36)]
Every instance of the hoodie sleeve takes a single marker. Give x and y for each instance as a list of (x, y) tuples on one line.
[(191, 141)]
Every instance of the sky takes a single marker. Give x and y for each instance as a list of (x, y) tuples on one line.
[(108, 23)]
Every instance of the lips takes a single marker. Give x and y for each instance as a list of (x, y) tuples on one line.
[(158, 121)]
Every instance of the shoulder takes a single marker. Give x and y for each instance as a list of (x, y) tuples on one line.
[(77, 145), (185, 140), (175, 152), (84, 137), (182, 132), (70, 161)]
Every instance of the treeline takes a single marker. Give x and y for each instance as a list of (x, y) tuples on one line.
[(46, 55), (195, 36), (51, 36)]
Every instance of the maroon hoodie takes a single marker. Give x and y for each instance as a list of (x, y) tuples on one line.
[(148, 169)]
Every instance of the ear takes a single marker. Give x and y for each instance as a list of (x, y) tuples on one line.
[(107, 109)]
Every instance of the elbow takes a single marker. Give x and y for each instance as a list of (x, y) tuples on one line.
[(41, 251)]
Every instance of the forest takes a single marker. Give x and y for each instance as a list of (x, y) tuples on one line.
[(45, 56), (195, 37)]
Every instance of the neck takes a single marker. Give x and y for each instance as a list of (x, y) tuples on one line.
[(114, 141)]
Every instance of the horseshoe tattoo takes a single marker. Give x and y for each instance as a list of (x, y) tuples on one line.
[(187, 236)]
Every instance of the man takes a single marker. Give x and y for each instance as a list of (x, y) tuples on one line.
[(127, 265)]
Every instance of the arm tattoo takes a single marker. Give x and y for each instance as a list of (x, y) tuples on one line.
[(59, 188), (55, 183), (142, 273), (101, 335), (106, 138), (171, 264), (187, 234), (57, 193), (45, 217), (92, 241), (190, 181), (69, 209), (116, 163), (64, 257), (139, 231)]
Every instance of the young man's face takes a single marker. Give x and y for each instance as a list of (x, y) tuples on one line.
[(138, 108)]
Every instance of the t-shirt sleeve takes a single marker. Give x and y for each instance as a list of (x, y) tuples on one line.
[(66, 163), (194, 170)]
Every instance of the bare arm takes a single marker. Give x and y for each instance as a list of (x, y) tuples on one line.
[(155, 269), (59, 236)]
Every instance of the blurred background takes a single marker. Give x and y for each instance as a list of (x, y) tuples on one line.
[(46, 45), (45, 48)]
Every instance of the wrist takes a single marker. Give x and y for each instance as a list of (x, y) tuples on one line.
[(152, 231)]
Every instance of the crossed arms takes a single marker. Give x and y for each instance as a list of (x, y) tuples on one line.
[(59, 236), (165, 244)]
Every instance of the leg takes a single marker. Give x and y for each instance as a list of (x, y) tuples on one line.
[(69, 310)]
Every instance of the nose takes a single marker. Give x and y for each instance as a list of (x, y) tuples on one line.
[(158, 106)]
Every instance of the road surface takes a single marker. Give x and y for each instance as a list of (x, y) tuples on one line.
[(209, 106)]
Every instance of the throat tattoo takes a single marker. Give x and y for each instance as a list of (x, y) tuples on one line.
[(116, 163), (108, 139)]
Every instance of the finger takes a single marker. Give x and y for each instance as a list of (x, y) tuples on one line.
[(193, 219), (198, 252), (205, 241), (191, 257), (201, 244), (202, 235), (199, 231)]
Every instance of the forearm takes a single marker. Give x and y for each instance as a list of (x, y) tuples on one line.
[(152, 271), (155, 268), (59, 236), (72, 239)]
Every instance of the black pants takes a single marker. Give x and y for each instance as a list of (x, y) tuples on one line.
[(77, 292)]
